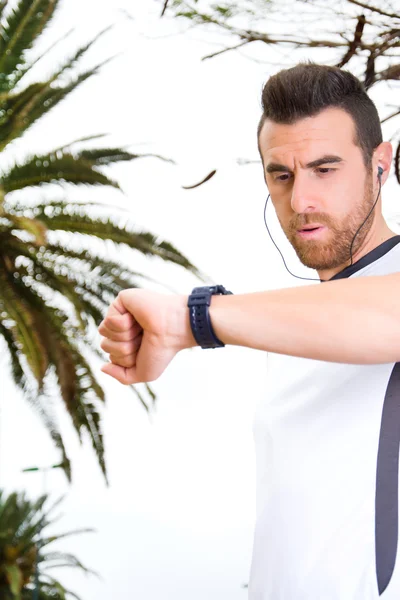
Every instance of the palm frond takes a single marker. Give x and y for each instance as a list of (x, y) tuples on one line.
[(3, 5), (53, 560), (24, 332), (30, 225), (49, 330), (19, 30), (52, 589), (22, 523), (57, 278), (42, 409), (78, 386), (47, 540), (17, 370), (86, 138), (39, 170), (23, 69), (106, 229), (85, 260), (106, 156), (76, 57), (14, 123), (51, 295)]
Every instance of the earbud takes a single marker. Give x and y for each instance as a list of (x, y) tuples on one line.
[(380, 172)]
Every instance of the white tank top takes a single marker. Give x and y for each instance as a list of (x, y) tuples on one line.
[(327, 450)]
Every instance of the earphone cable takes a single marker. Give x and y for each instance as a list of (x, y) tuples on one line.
[(351, 247)]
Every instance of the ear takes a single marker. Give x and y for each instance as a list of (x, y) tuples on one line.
[(382, 158)]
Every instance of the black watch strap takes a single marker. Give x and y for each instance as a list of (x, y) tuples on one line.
[(198, 303)]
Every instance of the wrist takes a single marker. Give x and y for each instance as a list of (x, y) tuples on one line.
[(185, 338)]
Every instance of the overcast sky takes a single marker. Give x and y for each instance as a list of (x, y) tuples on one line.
[(177, 520)]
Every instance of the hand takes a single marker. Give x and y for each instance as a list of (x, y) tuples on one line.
[(142, 332)]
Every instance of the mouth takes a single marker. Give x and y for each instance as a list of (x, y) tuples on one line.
[(311, 231)]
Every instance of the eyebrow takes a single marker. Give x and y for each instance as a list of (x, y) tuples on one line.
[(324, 160)]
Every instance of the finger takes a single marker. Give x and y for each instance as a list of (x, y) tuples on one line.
[(124, 336), (121, 349), (120, 336), (126, 361), (117, 324), (121, 374)]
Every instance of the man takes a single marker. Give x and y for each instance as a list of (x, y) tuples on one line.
[(327, 435)]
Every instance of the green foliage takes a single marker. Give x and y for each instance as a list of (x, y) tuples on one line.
[(24, 544), (54, 290)]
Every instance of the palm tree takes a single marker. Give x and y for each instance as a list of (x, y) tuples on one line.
[(54, 288), (24, 547)]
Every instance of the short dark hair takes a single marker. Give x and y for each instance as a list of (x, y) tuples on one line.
[(308, 88)]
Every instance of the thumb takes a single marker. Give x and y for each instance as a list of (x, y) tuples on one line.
[(117, 307), (122, 374)]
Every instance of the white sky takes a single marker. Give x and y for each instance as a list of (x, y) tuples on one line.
[(177, 519)]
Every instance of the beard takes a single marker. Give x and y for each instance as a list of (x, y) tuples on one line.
[(334, 252)]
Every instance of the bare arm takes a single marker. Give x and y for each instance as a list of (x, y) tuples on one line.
[(350, 321)]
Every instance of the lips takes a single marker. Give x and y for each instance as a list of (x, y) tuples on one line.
[(312, 232), (310, 227)]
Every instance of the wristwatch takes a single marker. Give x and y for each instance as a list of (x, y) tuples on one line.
[(200, 323)]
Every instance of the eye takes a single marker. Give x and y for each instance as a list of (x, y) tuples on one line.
[(325, 170), (283, 177)]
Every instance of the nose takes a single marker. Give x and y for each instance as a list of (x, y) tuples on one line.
[(303, 197)]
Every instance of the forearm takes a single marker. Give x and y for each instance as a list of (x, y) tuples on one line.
[(354, 321)]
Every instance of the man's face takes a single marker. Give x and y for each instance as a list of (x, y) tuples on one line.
[(316, 176)]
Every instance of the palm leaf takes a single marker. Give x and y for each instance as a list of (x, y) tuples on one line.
[(106, 156), (106, 229), (45, 97), (78, 55), (40, 170), (19, 31), (41, 409), (86, 138), (77, 384), (47, 344), (17, 370), (3, 5), (22, 523), (22, 70), (65, 559), (30, 225), (24, 332)]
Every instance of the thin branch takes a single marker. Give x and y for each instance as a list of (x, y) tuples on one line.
[(374, 9), (164, 8), (392, 72), (355, 43), (227, 49), (390, 116), (254, 36)]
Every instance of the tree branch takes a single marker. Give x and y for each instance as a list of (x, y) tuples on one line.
[(227, 49), (374, 9), (164, 8), (390, 116), (392, 72), (355, 43)]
